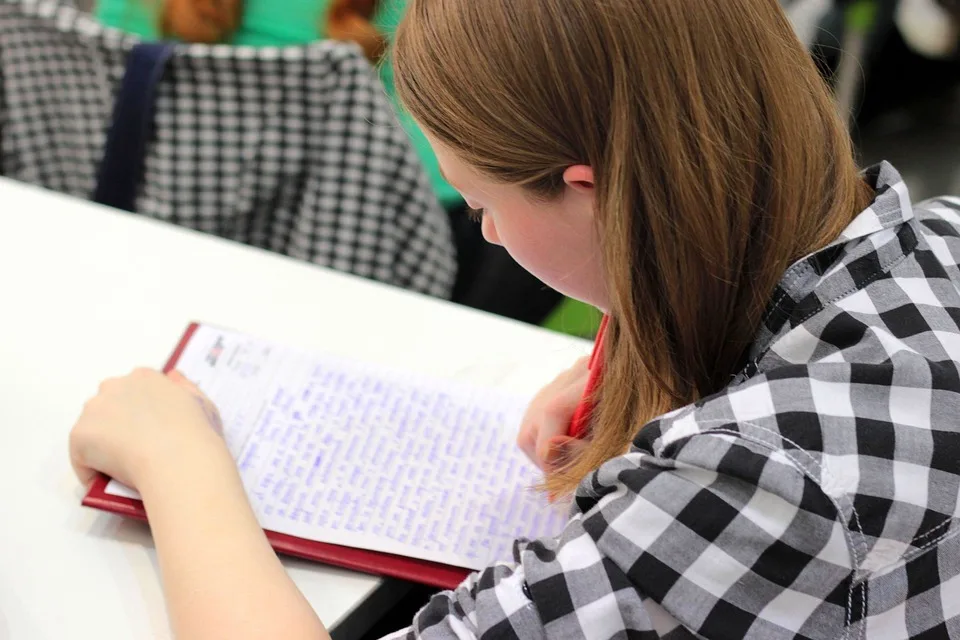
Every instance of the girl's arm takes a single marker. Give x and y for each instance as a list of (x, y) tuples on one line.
[(158, 434), (220, 576)]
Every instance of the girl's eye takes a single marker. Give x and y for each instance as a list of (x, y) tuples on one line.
[(475, 214)]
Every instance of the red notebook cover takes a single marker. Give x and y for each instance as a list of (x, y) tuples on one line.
[(374, 562)]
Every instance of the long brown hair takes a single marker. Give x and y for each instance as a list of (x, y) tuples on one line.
[(718, 153)]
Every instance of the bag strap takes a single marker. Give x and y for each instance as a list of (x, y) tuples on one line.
[(121, 169)]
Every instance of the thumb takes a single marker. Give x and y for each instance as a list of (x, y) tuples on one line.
[(557, 417), (84, 474), (185, 383), (81, 468)]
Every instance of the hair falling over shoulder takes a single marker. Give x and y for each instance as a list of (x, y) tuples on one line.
[(719, 155)]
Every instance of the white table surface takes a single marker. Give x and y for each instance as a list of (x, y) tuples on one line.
[(87, 293)]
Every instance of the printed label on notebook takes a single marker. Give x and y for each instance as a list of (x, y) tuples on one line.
[(354, 454)]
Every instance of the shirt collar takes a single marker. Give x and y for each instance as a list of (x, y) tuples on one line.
[(798, 288), (890, 207)]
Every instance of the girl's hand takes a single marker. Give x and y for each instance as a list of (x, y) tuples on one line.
[(543, 432), (139, 423), (221, 578)]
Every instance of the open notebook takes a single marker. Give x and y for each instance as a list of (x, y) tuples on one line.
[(364, 467)]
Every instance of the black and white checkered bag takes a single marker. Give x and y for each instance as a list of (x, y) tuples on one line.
[(295, 150)]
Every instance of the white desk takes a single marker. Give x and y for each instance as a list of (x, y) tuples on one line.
[(87, 293)]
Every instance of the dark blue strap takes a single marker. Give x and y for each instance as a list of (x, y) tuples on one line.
[(121, 169)]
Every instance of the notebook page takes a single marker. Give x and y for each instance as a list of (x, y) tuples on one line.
[(352, 453)]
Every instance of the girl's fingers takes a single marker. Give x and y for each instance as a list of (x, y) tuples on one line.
[(560, 449), (556, 419), (84, 474), (184, 382), (213, 415)]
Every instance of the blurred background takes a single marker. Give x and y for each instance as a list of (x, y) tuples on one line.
[(894, 65), (904, 83), (909, 112)]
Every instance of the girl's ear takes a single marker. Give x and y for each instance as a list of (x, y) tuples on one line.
[(349, 20), (202, 21), (580, 178)]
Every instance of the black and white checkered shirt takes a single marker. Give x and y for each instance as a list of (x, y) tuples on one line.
[(295, 150), (816, 497)]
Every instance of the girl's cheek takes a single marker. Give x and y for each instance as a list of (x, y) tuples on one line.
[(489, 230)]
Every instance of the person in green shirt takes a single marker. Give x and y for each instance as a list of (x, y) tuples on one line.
[(488, 278), (286, 23)]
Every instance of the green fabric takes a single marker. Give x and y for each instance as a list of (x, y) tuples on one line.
[(387, 20), (133, 16), (272, 23), (290, 22), (574, 318), (266, 23), (861, 15)]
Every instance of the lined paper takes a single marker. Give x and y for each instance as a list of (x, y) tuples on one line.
[(350, 453)]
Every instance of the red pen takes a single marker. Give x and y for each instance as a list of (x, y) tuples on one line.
[(581, 416)]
